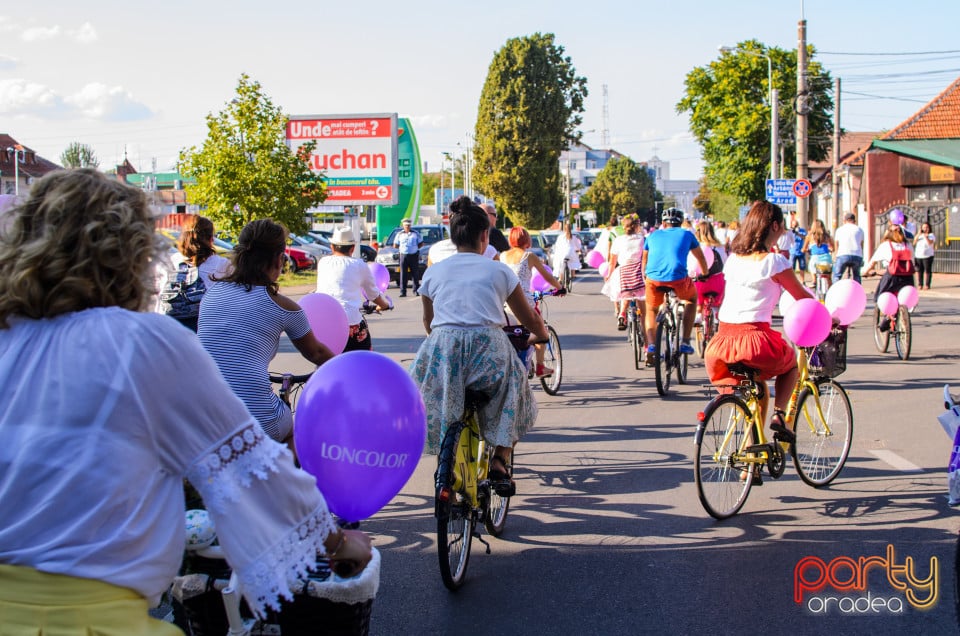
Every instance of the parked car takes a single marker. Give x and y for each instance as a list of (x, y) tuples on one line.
[(316, 248), (322, 237), (389, 256), (536, 247), (588, 239), (299, 260)]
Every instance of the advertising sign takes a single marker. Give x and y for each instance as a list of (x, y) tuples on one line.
[(356, 153), (408, 161)]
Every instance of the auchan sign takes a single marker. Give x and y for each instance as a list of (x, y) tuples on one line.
[(356, 153)]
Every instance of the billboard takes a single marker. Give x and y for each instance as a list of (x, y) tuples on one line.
[(356, 153)]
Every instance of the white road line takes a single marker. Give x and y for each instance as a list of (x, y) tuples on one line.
[(896, 461)]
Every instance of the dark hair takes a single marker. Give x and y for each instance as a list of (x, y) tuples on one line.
[(260, 243), (467, 222), (196, 238), (752, 237)]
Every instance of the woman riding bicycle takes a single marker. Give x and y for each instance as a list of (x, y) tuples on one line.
[(466, 348), (522, 262), (895, 256), (755, 277), (713, 279), (242, 318), (106, 409), (566, 251), (627, 252), (819, 248)]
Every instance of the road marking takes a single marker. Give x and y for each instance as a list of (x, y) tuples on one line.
[(896, 461)]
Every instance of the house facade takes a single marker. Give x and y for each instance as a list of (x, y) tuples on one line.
[(20, 166)]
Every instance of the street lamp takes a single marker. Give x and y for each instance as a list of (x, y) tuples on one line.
[(774, 115), (18, 156)]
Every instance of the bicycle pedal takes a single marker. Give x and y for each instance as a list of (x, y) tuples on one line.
[(757, 448)]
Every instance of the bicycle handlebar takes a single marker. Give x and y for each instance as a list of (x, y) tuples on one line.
[(278, 378)]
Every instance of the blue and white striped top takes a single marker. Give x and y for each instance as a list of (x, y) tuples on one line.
[(241, 331)]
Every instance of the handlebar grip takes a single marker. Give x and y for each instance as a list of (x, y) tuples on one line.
[(277, 378)]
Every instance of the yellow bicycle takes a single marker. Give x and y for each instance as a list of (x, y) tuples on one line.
[(464, 494), (732, 449)]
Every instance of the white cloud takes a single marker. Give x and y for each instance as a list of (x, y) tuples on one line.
[(99, 101), (85, 34), (94, 101), (422, 122), (20, 97), (8, 63), (39, 34)]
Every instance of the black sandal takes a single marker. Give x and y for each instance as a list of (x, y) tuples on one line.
[(778, 423), (501, 480)]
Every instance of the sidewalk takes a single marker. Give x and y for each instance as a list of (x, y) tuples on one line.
[(943, 286)]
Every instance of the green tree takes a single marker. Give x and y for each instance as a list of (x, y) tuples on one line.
[(244, 171), (429, 182), (529, 110), (78, 155), (728, 103), (622, 186)]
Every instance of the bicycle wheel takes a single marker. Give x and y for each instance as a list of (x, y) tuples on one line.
[(681, 359), (663, 356), (553, 358), (880, 338), (454, 516), (495, 518), (636, 339), (903, 333), (567, 279), (723, 477), (824, 434)]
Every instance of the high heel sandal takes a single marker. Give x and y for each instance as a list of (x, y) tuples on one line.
[(778, 423)]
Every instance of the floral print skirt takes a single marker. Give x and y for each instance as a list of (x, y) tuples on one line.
[(454, 359)]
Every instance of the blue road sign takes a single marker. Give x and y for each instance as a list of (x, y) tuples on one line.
[(780, 191)]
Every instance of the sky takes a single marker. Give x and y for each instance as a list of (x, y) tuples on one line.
[(139, 78)]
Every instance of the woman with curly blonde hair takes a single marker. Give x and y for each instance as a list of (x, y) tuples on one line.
[(106, 409)]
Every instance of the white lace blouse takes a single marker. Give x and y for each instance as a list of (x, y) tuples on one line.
[(102, 414)]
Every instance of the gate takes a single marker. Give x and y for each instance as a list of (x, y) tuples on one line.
[(947, 258)]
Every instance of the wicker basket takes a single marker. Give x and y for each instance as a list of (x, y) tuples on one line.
[(829, 358)]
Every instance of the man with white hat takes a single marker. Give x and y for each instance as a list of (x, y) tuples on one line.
[(348, 279)]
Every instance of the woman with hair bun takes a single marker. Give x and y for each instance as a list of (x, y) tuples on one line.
[(242, 318), (463, 298), (107, 408)]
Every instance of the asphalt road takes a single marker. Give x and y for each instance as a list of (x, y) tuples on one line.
[(607, 536)]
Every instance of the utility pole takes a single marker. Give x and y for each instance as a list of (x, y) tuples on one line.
[(835, 170), (802, 173)]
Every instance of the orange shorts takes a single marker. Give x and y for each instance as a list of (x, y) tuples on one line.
[(683, 287), (754, 344)]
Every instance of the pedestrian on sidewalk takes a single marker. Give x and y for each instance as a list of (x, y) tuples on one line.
[(849, 246), (924, 246)]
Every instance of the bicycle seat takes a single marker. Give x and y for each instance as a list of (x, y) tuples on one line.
[(664, 289), (743, 370), (475, 400)]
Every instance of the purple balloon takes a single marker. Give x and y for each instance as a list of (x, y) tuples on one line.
[(538, 282), (327, 319), (381, 276), (896, 216), (362, 445)]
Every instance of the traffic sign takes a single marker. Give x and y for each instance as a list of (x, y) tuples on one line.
[(780, 191), (802, 188)]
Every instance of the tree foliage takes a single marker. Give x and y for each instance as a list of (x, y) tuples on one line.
[(529, 110), (728, 102), (622, 186), (244, 171), (78, 155)]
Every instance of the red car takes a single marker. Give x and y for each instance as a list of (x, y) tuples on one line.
[(298, 260)]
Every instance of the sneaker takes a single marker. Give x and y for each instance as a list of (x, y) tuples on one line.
[(544, 371), (686, 347), (651, 356)]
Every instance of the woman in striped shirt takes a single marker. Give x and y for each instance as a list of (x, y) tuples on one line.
[(242, 317)]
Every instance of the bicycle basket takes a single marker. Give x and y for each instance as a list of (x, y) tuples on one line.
[(829, 358), (519, 337)]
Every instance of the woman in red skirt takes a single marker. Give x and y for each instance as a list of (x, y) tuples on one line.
[(755, 278)]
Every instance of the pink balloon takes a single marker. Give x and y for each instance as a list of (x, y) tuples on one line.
[(327, 319), (846, 300), (807, 323), (594, 258), (362, 451), (381, 275), (888, 303), (693, 266), (538, 282), (604, 269), (908, 297)]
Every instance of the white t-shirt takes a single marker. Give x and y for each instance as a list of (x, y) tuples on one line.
[(93, 456), (751, 293), (925, 245), (468, 290), (627, 247), (346, 278), (848, 240), (785, 242), (445, 249)]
